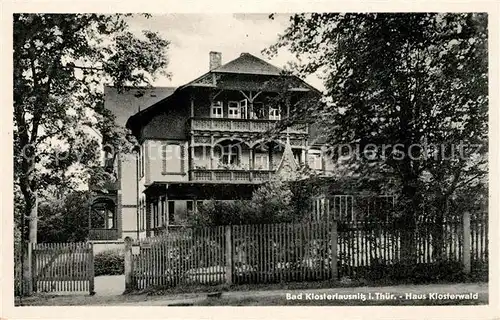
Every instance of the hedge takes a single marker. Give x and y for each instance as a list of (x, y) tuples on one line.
[(109, 262)]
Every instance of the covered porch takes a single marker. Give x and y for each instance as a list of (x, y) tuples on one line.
[(169, 205)]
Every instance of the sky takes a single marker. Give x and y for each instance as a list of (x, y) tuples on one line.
[(193, 36)]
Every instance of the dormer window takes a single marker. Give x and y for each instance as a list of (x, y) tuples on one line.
[(216, 109), (233, 110), (274, 113)]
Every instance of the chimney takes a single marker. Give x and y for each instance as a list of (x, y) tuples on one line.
[(215, 60)]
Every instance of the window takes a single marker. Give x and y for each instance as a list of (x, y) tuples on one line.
[(199, 204), (111, 220), (258, 111), (216, 109), (314, 160), (171, 213), (274, 113), (163, 211), (233, 110), (261, 161), (109, 161), (156, 214), (103, 214), (172, 158), (297, 155), (243, 108), (189, 206), (230, 155)]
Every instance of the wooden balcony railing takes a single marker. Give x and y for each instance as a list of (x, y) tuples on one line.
[(240, 125), (230, 176), (103, 234)]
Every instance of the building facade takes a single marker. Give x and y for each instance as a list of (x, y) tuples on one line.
[(214, 138)]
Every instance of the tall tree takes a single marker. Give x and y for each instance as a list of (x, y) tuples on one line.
[(61, 62), (408, 91)]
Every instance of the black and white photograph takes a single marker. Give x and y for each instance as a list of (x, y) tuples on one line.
[(334, 159)]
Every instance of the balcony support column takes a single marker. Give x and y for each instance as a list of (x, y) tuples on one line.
[(191, 153), (250, 159), (306, 151), (212, 160)]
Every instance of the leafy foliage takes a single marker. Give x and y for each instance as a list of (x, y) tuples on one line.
[(273, 202), (64, 219), (109, 262), (61, 62), (417, 83)]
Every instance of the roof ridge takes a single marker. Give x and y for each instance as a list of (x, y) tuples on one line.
[(274, 69), (143, 87)]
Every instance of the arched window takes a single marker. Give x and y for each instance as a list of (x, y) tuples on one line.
[(228, 154), (103, 214)]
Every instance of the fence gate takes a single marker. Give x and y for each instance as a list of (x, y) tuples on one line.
[(63, 267)]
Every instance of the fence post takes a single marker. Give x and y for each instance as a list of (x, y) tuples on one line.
[(334, 237), (229, 255), (466, 252), (91, 269), (128, 264)]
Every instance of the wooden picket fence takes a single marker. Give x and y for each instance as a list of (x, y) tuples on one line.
[(368, 244), (269, 253), (186, 256), (59, 267), (310, 251), (235, 254)]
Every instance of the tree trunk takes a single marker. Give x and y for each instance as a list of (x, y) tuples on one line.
[(438, 230), (28, 190), (33, 224), (407, 224), (28, 234)]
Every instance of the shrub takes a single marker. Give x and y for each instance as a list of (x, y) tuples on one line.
[(273, 202), (109, 262)]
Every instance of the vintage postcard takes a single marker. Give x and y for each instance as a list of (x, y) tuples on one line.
[(251, 156)]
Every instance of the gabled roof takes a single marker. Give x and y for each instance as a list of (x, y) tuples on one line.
[(130, 101), (244, 64), (249, 64)]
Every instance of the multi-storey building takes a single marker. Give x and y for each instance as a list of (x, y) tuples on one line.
[(204, 140)]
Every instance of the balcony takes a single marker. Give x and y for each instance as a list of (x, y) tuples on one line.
[(103, 234), (231, 176), (241, 125)]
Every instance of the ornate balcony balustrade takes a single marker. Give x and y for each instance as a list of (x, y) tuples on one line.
[(231, 176), (240, 125)]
